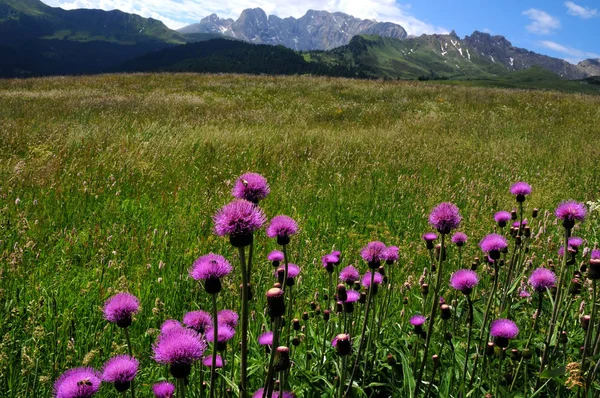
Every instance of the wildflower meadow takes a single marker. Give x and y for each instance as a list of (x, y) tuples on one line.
[(233, 236)]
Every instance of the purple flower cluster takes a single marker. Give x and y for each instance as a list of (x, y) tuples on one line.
[(210, 266), (445, 217), (120, 308), (493, 244), (120, 371), (252, 187), (266, 338), (542, 279), (228, 317), (282, 227), (502, 217), (569, 212), (224, 333), (504, 328), (459, 239), (164, 389), (197, 320), (238, 219), (464, 280), (374, 253), (275, 256), (366, 279), (417, 320), (179, 346), (77, 383), (391, 254), (520, 190), (349, 275), (207, 361)]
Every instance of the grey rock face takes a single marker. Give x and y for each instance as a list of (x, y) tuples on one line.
[(590, 66), (316, 30)]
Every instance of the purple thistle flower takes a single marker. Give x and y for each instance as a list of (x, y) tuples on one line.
[(293, 270), (493, 244), (169, 326), (120, 308), (373, 253), (336, 253), (349, 275), (595, 254), (197, 320), (210, 266), (571, 211), (207, 361), (238, 219), (542, 279), (520, 190), (228, 317), (517, 224), (459, 239), (391, 254), (504, 329), (328, 261), (77, 383), (266, 338), (252, 187), (183, 346), (429, 236), (120, 371), (275, 255), (366, 279), (224, 333), (445, 217), (502, 217), (417, 320), (286, 394), (464, 280), (282, 227), (352, 296), (164, 389), (524, 294), (575, 241)]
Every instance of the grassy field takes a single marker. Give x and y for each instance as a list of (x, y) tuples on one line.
[(109, 183)]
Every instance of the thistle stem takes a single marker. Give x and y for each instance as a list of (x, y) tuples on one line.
[(244, 353), (432, 316), (181, 387), (342, 375), (132, 388), (588, 333), (470, 328), (269, 383), (363, 332), (214, 353)]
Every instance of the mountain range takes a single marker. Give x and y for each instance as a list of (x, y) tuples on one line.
[(40, 40)]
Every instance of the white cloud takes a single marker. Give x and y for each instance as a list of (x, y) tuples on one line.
[(542, 23), (571, 54), (178, 13), (580, 11)]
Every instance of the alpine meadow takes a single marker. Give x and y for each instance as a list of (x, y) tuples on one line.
[(224, 235)]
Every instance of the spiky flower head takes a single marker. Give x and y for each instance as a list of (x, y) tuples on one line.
[(120, 371), (595, 254), (493, 244), (197, 320), (445, 217), (542, 279), (502, 217), (210, 266), (366, 279), (228, 317), (349, 275), (78, 383), (224, 333), (293, 270), (252, 187), (120, 308), (503, 330), (459, 239), (429, 236), (352, 296), (520, 190), (569, 212), (417, 320), (373, 253), (182, 346), (342, 344), (207, 361), (464, 280), (329, 261), (266, 338), (239, 219), (575, 241), (170, 325), (391, 254), (164, 389), (275, 256), (282, 227)]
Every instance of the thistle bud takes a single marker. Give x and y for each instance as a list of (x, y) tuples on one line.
[(563, 338), (295, 341), (436, 361), (424, 289), (575, 286), (339, 307), (275, 302), (357, 285), (341, 292), (305, 316), (534, 213), (296, 324), (515, 355), (593, 271), (390, 360), (282, 359), (513, 214), (585, 322), (343, 345), (527, 231), (489, 349), (363, 298), (326, 315), (445, 310)]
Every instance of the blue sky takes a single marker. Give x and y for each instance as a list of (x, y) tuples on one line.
[(563, 29)]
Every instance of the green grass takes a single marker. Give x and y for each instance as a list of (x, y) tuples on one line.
[(109, 183)]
